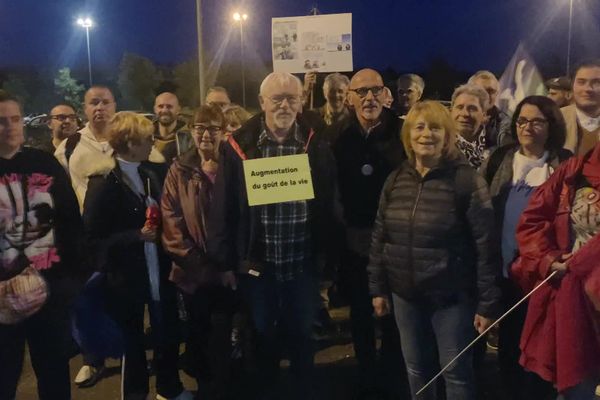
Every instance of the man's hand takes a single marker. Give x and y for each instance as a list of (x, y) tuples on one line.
[(148, 234), (229, 280), (381, 306), (482, 323), (561, 265), (310, 79)]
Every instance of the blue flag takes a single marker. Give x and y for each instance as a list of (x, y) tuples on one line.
[(520, 79)]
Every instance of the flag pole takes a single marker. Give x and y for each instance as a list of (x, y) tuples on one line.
[(482, 334)]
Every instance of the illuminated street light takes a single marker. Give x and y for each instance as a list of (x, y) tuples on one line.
[(240, 18), (87, 23)]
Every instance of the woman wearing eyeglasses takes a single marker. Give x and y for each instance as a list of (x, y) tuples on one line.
[(514, 172), (207, 292), (558, 233)]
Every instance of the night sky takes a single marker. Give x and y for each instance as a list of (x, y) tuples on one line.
[(402, 34)]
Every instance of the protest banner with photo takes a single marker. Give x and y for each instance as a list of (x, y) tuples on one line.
[(315, 43)]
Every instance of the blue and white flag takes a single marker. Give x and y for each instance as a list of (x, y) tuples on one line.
[(520, 79)]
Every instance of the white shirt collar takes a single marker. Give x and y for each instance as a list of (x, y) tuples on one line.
[(586, 122), (532, 172)]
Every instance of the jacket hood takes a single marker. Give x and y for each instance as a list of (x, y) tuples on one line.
[(179, 126)]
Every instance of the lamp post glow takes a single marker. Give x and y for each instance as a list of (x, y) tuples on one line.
[(240, 18), (569, 39), (87, 24)]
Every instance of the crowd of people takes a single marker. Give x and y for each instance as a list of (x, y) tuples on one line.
[(430, 221)]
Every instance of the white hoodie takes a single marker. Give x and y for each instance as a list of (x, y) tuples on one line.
[(90, 157)]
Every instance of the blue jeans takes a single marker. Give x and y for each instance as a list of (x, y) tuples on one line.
[(283, 307), (429, 331)]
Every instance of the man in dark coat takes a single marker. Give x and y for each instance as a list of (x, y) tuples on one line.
[(275, 248), (367, 148)]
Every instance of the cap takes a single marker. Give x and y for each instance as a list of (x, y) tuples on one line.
[(560, 83)]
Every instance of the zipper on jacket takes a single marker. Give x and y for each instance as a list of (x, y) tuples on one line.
[(410, 232)]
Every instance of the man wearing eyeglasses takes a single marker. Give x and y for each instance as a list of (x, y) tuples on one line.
[(367, 149), (276, 247), (63, 122)]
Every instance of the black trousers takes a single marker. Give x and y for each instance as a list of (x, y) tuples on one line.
[(208, 348), (126, 306), (48, 336), (518, 383), (354, 286)]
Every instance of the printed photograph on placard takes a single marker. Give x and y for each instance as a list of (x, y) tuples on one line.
[(320, 43), (285, 40), (339, 42)]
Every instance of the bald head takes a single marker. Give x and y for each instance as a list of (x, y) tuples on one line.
[(366, 96), (166, 109), (367, 75)]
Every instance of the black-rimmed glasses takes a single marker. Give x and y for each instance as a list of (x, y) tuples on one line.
[(364, 91)]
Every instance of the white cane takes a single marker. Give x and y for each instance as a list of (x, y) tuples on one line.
[(484, 332)]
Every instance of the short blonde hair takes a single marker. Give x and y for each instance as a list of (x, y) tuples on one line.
[(128, 127), (433, 112), (236, 115)]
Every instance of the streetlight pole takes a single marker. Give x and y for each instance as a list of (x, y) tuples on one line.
[(241, 18), (87, 24), (569, 39), (201, 82)]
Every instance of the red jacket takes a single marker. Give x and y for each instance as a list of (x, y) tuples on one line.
[(559, 340)]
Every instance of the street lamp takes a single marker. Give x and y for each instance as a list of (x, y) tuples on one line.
[(569, 39), (87, 24), (241, 17)]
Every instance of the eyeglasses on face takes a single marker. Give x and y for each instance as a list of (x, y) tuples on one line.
[(536, 123), (362, 92), (199, 129), (279, 99)]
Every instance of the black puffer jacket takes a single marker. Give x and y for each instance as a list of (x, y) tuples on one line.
[(433, 237)]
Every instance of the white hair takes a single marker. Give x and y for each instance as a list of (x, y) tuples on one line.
[(412, 79), (473, 90), (483, 74), (282, 79)]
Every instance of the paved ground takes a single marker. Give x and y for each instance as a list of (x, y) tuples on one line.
[(335, 370), (335, 363)]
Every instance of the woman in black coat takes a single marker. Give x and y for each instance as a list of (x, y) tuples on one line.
[(121, 222), (432, 252)]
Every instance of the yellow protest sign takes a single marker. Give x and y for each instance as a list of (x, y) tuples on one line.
[(278, 179)]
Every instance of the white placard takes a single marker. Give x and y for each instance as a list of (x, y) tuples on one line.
[(315, 43)]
